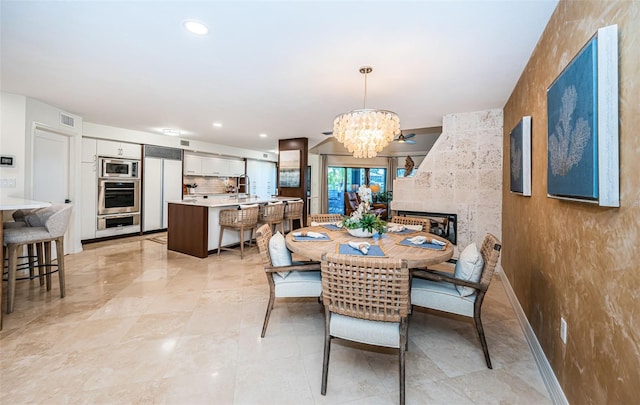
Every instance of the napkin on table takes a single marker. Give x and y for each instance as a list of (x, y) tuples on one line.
[(337, 224), (396, 228), (419, 240), (310, 234), (361, 246)]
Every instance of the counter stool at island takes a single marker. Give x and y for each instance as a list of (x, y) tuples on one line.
[(47, 225), (238, 219), (293, 211), (272, 214)]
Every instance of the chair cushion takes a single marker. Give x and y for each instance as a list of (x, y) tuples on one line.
[(26, 234), (441, 296), (469, 268), (377, 333), (298, 284), (280, 255)]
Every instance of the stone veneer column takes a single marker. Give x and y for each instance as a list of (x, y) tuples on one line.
[(461, 174)]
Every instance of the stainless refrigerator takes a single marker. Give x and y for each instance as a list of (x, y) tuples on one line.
[(161, 182)]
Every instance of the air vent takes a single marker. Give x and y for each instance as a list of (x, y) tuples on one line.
[(184, 142), (67, 120)]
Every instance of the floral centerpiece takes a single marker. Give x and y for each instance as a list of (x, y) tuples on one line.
[(362, 219)]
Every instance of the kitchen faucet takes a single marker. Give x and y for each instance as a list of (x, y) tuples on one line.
[(246, 184)]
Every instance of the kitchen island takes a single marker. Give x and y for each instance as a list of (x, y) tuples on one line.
[(193, 226)]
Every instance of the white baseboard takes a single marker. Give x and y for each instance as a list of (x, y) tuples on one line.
[(548, 376)]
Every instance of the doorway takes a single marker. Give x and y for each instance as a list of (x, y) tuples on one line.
[(51, 170)]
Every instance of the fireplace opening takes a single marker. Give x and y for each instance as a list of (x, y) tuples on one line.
[(442, 224)]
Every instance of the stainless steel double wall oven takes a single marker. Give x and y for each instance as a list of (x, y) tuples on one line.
[(118, 194)]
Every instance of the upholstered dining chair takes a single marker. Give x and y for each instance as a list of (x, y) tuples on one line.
[(293, 211), (424, 222), (366, 300), (242, 219), (286, 278), (45, 225), (323, 218), (462, 292)]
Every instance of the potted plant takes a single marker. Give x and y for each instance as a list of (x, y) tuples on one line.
[(362, 223)]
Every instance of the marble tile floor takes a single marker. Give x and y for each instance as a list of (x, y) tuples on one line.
[(143, 325)]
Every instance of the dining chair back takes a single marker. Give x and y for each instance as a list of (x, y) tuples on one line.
[(323, 218), (366, 300), (424, 222)]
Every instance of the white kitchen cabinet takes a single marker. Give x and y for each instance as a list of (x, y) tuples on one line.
[(212, 166), (88, 204), (192, 165), (262, 176), (89, 151), (236, 168), (162, 182), (119, 149)]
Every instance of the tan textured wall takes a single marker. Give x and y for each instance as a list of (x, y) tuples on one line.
[(571, 259), (461, 174)]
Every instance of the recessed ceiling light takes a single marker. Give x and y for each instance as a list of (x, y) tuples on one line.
[(217, 124), (196, 27), (263, 135), (171, 132)]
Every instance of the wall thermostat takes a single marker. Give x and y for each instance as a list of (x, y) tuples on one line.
[(7, 161)]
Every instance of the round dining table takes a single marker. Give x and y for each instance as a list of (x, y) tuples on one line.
[(388, 242)]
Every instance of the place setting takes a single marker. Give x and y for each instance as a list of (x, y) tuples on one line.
[(400, 229), (331, 226), (360, 249), (310, 236), (423, 242)]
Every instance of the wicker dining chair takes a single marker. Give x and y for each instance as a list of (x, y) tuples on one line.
[(460, 293), (424, 222), (323, 218), (242, 219), (272, 214), (366, 300), (301, 279), (293, 211)]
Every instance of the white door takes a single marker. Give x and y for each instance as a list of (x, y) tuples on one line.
[(50, 167), (172, 186), (51, 170)]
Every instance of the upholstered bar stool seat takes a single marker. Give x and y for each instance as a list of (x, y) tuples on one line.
[(240, 220), (19, 221), (47, 225), (293, 211), (273, 215)]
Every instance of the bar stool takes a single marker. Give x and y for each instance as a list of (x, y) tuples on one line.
[(273, 215), (293, 211), (19, 221), (46, 225), (241, 219)]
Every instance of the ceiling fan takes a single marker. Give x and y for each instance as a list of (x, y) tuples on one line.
[(402, 138)]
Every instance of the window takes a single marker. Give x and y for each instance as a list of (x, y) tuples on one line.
[(342, 179)]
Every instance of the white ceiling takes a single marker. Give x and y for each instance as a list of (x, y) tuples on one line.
[(283, 68)]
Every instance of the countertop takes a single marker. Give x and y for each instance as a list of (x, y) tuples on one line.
[(228, 202)]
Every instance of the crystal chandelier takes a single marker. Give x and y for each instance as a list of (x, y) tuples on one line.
[(366, 132)]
